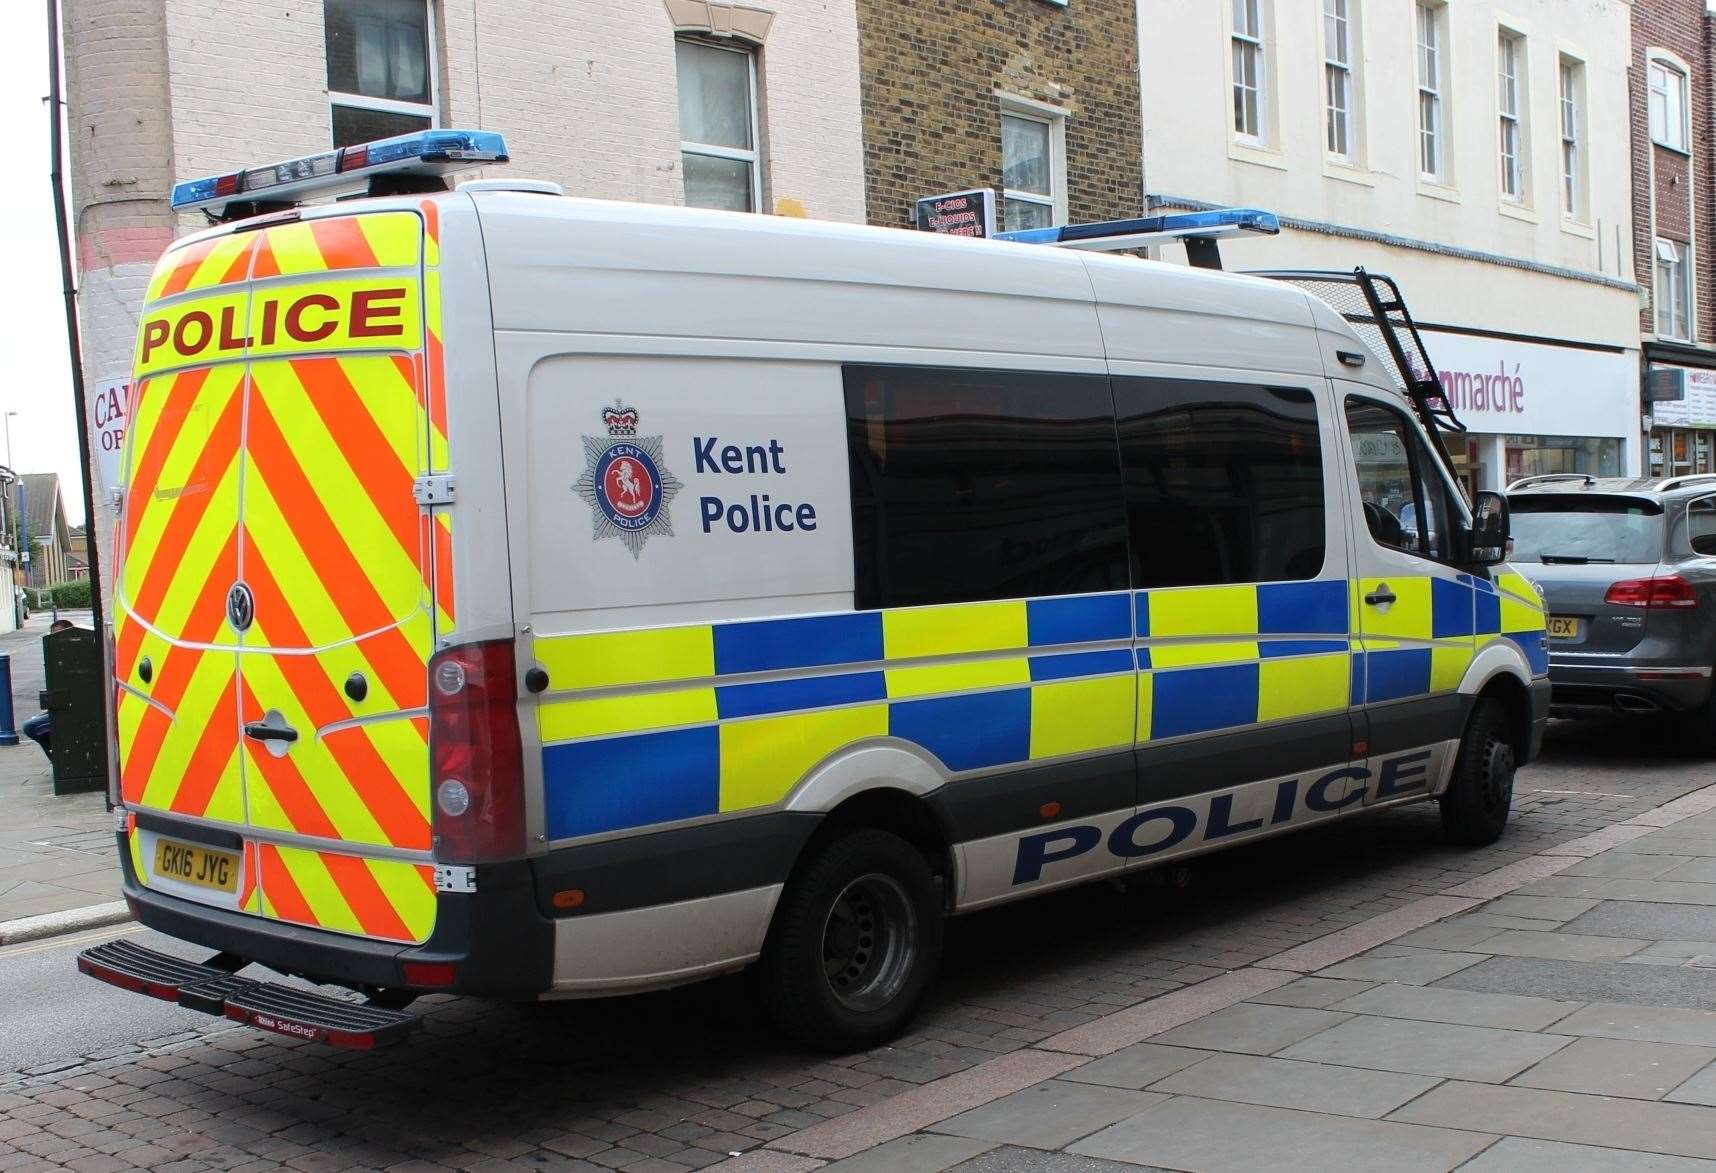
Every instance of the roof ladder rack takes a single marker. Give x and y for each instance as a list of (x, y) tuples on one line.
[(1199, 230)]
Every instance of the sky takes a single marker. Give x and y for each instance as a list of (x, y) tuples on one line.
[(37, 380)]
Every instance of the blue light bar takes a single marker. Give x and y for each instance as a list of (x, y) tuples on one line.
[(344, 170), (1110, 235)]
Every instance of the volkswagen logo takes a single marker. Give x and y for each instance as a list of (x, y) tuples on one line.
[(240, 607)]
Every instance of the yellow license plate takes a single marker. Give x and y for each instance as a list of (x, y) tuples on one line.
[(192, 864), (1563, 627)]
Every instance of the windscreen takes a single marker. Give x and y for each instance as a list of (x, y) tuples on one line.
[(1577, 529)]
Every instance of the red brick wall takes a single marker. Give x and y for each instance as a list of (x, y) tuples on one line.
[(1683, 186), (932, 122)]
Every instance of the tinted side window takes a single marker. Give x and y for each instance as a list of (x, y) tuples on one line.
[(1224, 482), (974, 485), (1406, 504)]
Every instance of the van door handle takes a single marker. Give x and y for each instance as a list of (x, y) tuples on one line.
[(258, 731), (1380, 596)]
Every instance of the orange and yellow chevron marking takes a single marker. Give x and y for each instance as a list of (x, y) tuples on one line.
[(390, 899), (434, 384), (204, 264), (379, 240), (134, 847)]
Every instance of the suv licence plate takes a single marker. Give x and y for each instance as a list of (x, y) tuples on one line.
[(192, 864), (1563, 627)]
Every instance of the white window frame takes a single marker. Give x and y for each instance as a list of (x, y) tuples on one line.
[(754, 156), (1511, 84), (1431, 60), (1055, 119), (1254, 40), (1666, 79), (1674, 293), (1570, 73), (432, 111), (1340, 120)]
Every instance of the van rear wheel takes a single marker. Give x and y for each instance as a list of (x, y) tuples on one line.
[(855, 939), (1476, 804)]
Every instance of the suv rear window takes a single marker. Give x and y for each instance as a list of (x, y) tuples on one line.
[(1564, 528)]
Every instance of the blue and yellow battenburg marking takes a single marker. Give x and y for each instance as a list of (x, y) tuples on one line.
[(656, 725)]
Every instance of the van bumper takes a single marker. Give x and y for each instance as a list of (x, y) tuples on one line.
[(495, 939)]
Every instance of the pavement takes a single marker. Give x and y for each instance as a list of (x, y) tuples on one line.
[(56, 854), (1359, 993)]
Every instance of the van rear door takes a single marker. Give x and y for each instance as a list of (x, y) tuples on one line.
[(280, 570)]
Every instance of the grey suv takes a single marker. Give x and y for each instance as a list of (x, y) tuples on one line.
[(1628, 570)]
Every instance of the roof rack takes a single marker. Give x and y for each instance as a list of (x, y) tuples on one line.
[(1372, 305), (1545, 478), (1689, 478), (1199, 230)]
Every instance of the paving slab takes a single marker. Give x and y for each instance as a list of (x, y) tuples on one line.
[(1137, 1066), (1699, 871), (1675, 952), (1459, 1007), (1559, 946), (1483, 917), (1700, 1089), (1427, 1048), (1049, 1115), (1622, 865), (922, 1152), (1611, 981), (1639, 918), (1660, 1024), (1316, 992), (1011, 1159), (1457, 934), (1212, 1136), (1251, 1028), (1417, 967), (1555, 908), (1513, 1154), (1679, 1129), (1286, 1083), (1617, 1067), (1604, 888), (1666, 843)]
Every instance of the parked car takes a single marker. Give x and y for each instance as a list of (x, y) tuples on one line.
[(1627, 569)]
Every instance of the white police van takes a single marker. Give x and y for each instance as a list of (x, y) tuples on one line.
[(767, 590)]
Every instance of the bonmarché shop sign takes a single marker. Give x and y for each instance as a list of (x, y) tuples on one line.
[(1500, 385)]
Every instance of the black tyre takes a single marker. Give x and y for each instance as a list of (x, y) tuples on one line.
[(854, 942), (1476, 804)]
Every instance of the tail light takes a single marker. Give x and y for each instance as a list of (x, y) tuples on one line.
[(478, 764), (1669, 590)]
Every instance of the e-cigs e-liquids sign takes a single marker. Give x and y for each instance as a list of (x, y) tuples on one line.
[(959, 213)]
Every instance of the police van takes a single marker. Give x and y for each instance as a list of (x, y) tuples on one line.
[(540, 597)]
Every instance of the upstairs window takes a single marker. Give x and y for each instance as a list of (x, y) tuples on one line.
[(381, 69), (718, 125), (1029, 174), (1667, 102), (1572, 154), (1510, 86), (1431, 133), (1338, 79), (1248, 64), (1673, 292)]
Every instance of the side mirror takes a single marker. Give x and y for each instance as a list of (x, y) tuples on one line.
[(1491, 535)]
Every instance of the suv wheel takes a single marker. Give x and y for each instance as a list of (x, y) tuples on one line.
[(1476, 804), (854, 942)]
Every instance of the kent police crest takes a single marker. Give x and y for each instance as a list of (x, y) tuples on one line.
[(625, 483)]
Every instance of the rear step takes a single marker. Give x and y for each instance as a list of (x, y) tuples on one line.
[(302, 1014)]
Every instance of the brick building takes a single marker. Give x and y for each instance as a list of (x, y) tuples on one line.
[(1035, 98), (1674, 174), (751, 105)]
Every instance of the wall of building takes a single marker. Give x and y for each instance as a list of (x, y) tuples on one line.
[(932, 79)]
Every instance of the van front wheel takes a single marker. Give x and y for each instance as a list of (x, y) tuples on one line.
[(1476, 803), (854, 942)]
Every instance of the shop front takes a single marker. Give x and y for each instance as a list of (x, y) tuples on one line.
[(1683, 431), (1532, 408)]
